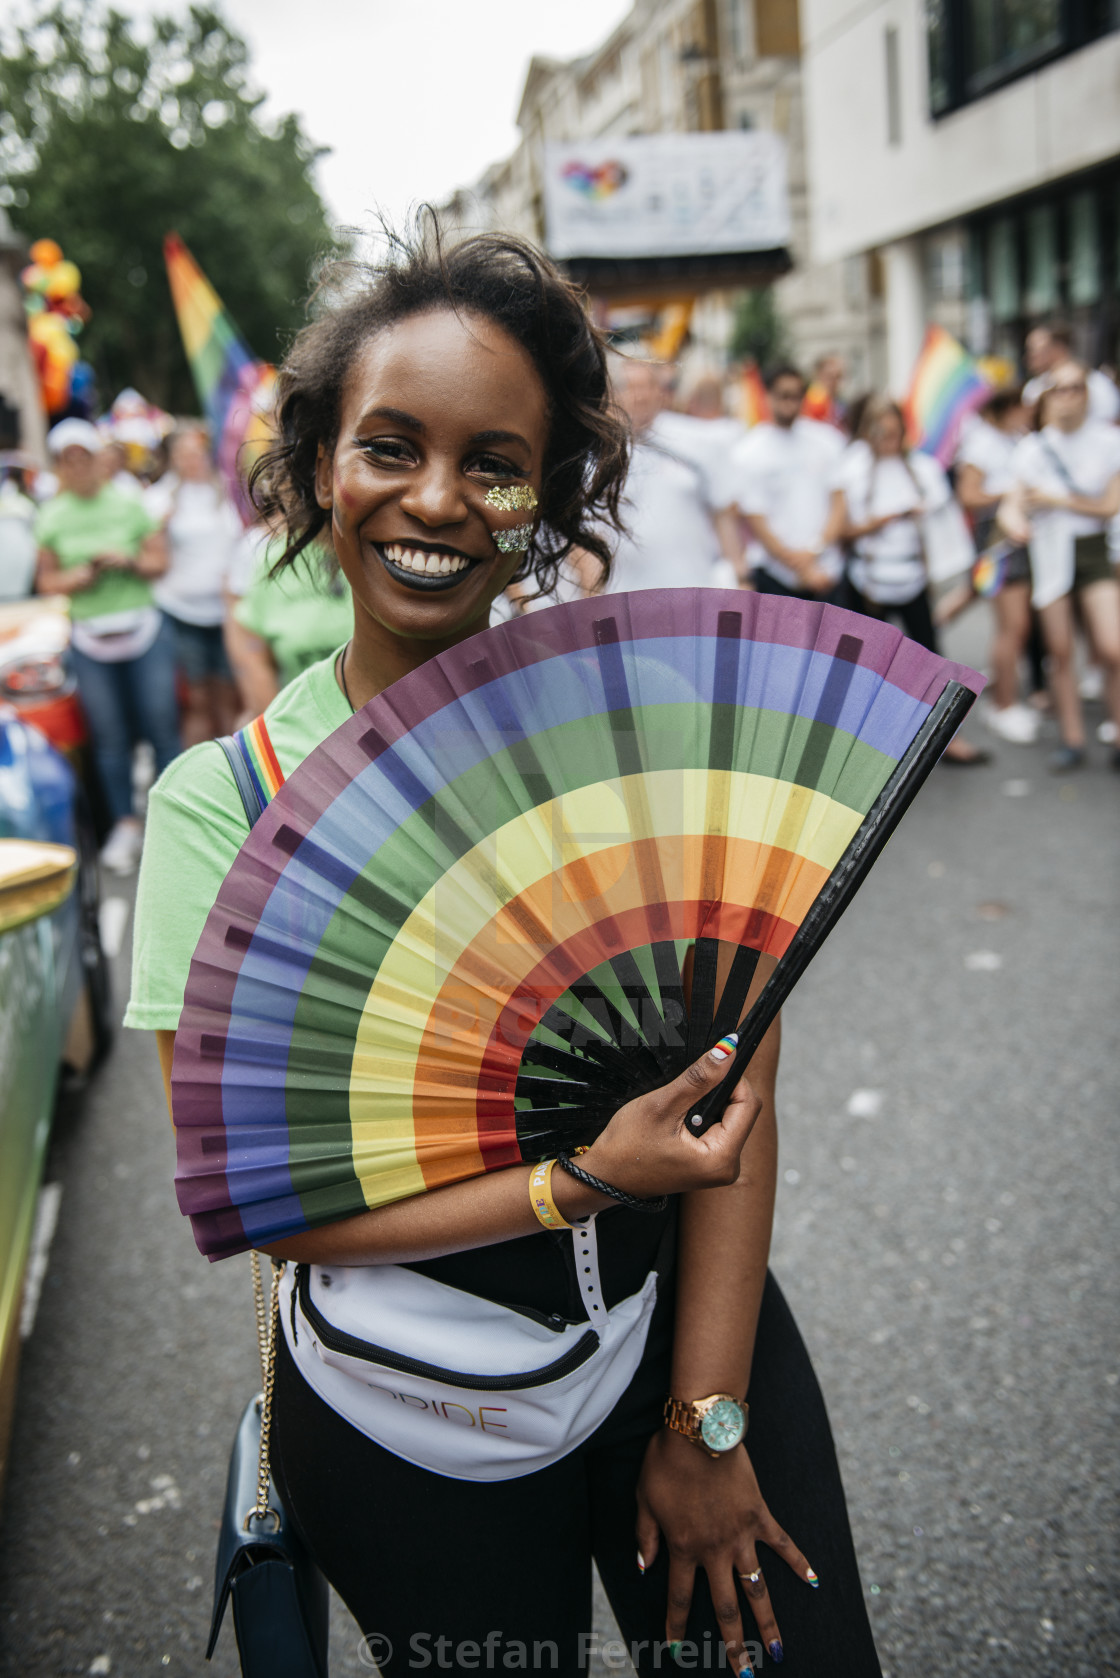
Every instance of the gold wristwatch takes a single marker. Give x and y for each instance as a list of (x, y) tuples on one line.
[(717, 1424)]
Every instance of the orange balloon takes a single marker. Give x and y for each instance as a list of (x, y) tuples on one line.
[(46, 253)]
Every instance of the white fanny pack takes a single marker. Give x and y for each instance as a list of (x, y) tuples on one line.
[(457, 1384)]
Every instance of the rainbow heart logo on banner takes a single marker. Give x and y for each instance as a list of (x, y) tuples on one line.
[(600, 182)]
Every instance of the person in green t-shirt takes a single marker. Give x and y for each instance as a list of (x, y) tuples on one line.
[(285, 622), (103, 548)]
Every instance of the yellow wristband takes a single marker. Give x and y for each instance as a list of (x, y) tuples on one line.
[(547, 1212)]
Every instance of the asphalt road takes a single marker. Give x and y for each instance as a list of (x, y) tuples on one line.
[(946, 1232)]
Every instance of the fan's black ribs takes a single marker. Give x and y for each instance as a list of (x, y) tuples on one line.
[(570, 1065), (705, 972), (733, 1000)]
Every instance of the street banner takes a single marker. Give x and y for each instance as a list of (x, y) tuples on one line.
[(666, 195)]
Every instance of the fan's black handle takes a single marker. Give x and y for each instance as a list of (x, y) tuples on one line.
[(838, 890)]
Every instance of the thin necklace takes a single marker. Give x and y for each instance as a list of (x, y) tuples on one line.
[(342, 678)]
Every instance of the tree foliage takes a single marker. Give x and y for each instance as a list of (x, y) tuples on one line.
[(758, 332), (112, 135)]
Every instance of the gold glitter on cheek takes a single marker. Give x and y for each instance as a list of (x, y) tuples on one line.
[(512, 498)]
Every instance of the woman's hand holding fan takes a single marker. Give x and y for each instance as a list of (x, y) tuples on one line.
[(649, 1150)]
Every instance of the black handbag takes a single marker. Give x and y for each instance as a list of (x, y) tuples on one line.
[(281, 1603)]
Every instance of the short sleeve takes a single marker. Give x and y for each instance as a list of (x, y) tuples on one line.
[(251, 611), (194, 830), (744, 478), (45, 523)]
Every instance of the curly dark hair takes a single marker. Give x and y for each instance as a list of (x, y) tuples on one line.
[(511, 283)]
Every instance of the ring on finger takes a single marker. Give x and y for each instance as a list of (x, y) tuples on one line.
[(751, 1578)]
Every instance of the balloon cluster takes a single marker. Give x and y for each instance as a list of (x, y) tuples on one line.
[(56, 313)]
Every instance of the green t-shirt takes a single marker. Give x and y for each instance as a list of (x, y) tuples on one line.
[(196, 825), (76, 527), (300, 614)]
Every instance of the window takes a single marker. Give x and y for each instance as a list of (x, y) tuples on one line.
[(1003, 270), (894, 90), (1005, 36), (974, 46), (1042, 259), (1084, 249)]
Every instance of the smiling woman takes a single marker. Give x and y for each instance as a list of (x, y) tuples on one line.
[(448, 428)]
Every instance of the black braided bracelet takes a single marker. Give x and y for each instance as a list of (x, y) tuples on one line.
[(590, 1182)]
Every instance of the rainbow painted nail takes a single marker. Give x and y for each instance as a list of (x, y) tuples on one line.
[(641, 1562), (812, 1579), (726, 1046)]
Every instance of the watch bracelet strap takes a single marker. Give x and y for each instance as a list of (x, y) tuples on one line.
[(682, 1418)]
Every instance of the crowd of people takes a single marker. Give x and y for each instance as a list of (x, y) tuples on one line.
[(828, 501), (183, 627), (179, 629)]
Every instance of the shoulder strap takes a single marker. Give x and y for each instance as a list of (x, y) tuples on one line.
[(1058, 464), (255, 768)]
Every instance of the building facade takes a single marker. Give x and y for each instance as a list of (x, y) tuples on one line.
[(969, 152), (680, 66)]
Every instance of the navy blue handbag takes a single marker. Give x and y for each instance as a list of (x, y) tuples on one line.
[(281, 1603)]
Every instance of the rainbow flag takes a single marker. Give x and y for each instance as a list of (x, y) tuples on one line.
[(234, 388), (754, 404), (945, 387)]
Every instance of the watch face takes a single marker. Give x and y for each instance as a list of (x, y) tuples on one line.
[(723, 1425)]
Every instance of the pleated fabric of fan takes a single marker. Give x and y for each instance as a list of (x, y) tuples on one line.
[(455, 939)]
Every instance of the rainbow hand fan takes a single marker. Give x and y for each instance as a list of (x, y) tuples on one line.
[(455, 940)]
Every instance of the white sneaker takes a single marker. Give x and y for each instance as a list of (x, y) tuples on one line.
[(121, 851), (1106, 734), (1016, 723)]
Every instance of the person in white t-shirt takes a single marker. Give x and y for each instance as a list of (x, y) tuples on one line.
[(983, 479), (883, 496), (782, 471), (1066, 488), (1047, 348), (203, 532), (668, 507)]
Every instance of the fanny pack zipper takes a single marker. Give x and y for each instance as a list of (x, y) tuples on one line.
[(337, 1340)]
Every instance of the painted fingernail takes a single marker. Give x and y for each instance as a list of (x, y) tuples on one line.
[(675, 1649), (726, 1047), (746, 1671), (812, 1579), (641, 1562), (777, 1653)]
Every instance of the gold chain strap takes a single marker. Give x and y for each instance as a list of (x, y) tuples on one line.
[(267, 1317)]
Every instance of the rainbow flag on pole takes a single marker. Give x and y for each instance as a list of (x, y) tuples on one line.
[(754, 404), (234, 388), (946, 386)]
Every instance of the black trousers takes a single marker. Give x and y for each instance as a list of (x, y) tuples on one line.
[(914, 617), (454, 1575)]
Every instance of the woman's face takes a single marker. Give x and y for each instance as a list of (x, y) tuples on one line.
[(78, 471), (887, 437), (1067, 398), (190, 458), (437, 410)]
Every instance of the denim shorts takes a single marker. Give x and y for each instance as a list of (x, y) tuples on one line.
[(200, 650)]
